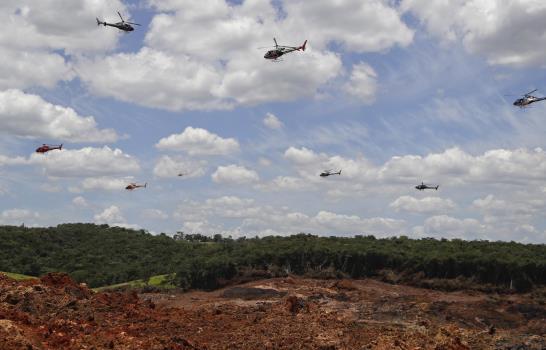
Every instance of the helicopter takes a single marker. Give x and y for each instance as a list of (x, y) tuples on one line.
[(282, 50), (326, 173), (46, 148), (133, 186), (423, 187), (527, 99), (125, 26), (182, 174)]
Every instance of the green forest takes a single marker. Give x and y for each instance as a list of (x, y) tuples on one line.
[(101, 255)]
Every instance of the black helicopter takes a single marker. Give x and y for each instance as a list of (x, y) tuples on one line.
[(326, 173), (423, 187), (282, 50), (125, 26), (527, 99)]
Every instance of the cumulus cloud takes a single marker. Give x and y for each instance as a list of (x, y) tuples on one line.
[(272, 122), (17, 216), (511, 33), (204, 57), (252, 218), (28, 115), (444, 226), (234, 174), (25, 69), (110, 215), (86, 162), (168, 166), (154, 214), (517, 166), (427, 205), (114, 217), (104, 183), (36, 31), (197, 141), (363, 83), (79, 201), (286, 183), (300, 155), (379, 25), (5, 160), (517, 209)]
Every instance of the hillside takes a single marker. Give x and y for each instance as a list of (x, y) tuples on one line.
[(283, 313), (100, 255)]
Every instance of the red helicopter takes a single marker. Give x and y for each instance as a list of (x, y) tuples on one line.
[(46, 148), (133, 186)]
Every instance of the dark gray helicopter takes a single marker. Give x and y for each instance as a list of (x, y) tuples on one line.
[(326, 173), (527, 99), (282, 50), (423, 187), (125, 26)]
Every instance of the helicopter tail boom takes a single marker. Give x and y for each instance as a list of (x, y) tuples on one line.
[(302, 47)]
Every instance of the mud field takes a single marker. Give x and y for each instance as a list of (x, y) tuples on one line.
[(289, 313)]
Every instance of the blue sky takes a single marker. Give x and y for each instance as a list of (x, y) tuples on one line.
[(393, 93)]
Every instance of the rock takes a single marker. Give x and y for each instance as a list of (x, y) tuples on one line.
[(12, 337)]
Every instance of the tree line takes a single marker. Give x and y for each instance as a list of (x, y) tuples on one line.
[(101, 255)]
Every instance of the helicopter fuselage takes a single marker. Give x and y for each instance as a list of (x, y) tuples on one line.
[(527, 100), (121, 26)]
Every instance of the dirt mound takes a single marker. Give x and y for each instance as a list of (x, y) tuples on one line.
[(12, 337), (291, 313)]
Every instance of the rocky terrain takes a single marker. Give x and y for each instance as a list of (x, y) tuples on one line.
[(288, 313)]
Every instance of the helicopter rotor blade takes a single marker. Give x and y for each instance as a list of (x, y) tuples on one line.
[(530, 92), (120, 17), (275, 40), (136, 24)]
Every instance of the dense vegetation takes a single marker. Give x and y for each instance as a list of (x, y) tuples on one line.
[(102, 255)]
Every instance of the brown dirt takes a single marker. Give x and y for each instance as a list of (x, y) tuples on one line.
[(283, 313)]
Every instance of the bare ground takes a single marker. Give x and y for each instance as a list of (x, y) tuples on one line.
[(284, 313)]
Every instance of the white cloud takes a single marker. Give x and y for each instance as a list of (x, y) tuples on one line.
[(427, 205), (361, 26), (25, 69), (300, 155), (197, 141), (5, 160), (80, 201), (272, 122), (154, 214), (86, 162), (512, 32), (518, 166), (234, 174), (37, 30), (517, 209), (28, 115), (180, 82), (363, 83), (17, 216), (168, 166), (204, 57), (51, 187), (114, 217), (105, 183), (286, 183), (449, 227), (252, 219)]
